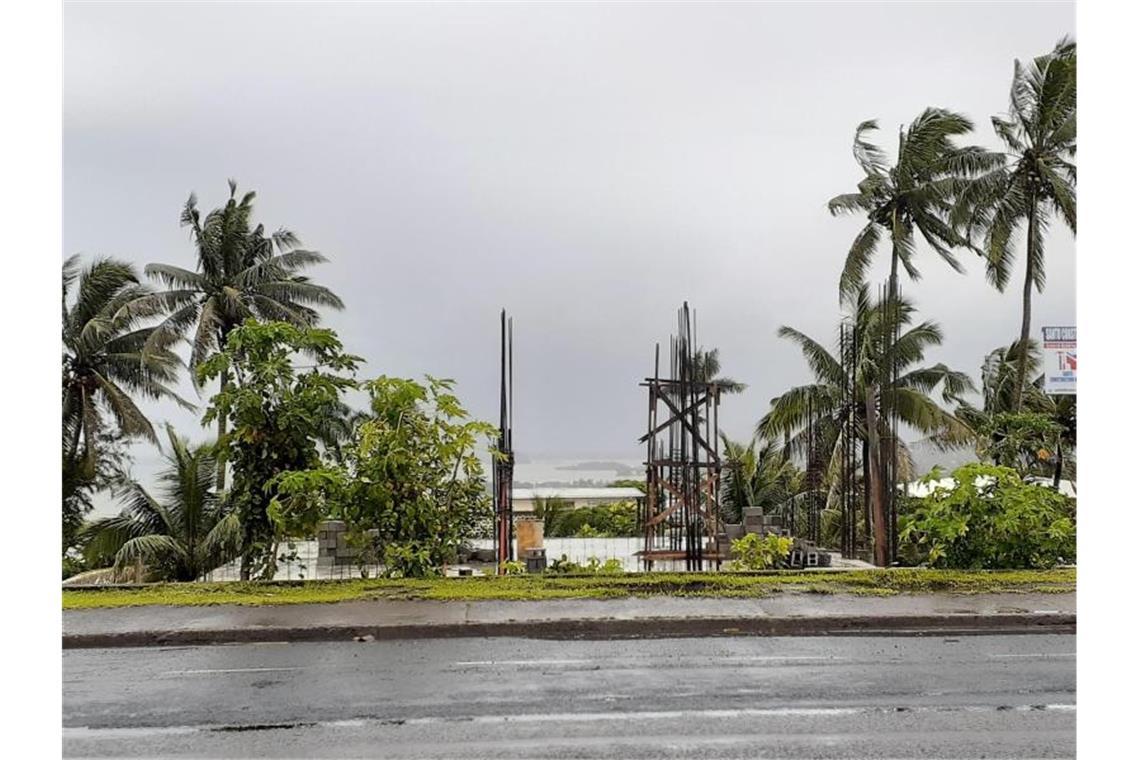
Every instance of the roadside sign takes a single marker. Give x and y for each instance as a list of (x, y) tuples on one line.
[(1059, 348)]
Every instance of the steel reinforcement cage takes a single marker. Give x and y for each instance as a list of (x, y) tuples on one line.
[(679, 518)]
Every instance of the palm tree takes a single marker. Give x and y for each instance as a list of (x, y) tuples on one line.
[(103, 357), (833, 396), (706, 369), (181, 537), (336, 429), (1037, 178), (999, 385), (917, 193), (1062, 410), (242, 273), (104, 366), (756, 475)]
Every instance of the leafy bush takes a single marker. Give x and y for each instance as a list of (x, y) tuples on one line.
[(988, 519), (409, 559), (753, 552)]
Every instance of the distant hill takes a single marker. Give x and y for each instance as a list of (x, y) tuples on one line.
[(620, 469)]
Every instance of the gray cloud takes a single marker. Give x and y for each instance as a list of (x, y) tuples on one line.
[(587, 166)]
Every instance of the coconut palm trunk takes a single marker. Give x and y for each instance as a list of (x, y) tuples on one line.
[(876, 472), (221, 477), (882, 447), (1026, 304)]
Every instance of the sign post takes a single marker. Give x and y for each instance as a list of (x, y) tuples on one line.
[(1059, 347)]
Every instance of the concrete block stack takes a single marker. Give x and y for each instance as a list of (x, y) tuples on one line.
[(333, 548), (755, 521), (805, 554)]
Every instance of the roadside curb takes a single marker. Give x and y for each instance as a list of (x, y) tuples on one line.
[(603, 628)]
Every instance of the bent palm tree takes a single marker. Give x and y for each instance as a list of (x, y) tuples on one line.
[(180, 537), (917, 193), (833, 396), (241, 273), (1040, 134)]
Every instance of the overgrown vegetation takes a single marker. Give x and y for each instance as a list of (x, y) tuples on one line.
[(1041, 439), (596, 586), (988, 518), (410, 485)]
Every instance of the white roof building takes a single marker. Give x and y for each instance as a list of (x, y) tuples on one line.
[(919, 488), (523, 499)]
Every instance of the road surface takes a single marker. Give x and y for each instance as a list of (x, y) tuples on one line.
[(824, 697)]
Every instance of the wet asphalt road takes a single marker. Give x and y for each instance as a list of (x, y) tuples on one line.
[(825, 697)]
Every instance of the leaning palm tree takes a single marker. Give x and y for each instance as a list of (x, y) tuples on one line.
[(1037, 179), (916, 194), (885, 375), (241, 273), (180, 536), (104, 361)]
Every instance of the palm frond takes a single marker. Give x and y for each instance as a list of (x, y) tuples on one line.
[(859, 258), (824, 366), (869, 156)]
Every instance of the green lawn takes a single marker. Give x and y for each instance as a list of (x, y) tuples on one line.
[(538, 587)]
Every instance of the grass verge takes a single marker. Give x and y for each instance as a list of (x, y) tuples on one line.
[(540, 587)]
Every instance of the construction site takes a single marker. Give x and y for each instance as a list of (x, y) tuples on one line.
[(681, 523)]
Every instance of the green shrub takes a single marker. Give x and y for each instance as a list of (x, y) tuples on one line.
[(512, 567), (409, 559), (988, 519), (753, 552)]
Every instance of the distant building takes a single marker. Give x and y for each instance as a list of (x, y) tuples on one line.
[(920, 489), (524, 499)]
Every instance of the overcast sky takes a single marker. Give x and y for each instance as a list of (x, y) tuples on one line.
[(588, 167)]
